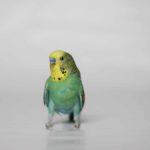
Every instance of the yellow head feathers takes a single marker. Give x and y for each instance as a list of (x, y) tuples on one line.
[(62, 65), (57, 54), (58, 72)]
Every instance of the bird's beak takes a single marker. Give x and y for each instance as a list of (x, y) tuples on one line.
[(52, 60)]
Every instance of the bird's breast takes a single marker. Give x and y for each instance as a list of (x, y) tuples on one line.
[(63, 96), (65, 93)]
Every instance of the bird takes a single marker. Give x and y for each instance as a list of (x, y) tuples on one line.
[(63, 90)]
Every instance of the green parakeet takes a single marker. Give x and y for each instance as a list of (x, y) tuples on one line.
[(63, 92)]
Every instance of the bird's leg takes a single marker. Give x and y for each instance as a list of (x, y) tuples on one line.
[(76, 113), (51, 112), (77, 121), (49, 123)]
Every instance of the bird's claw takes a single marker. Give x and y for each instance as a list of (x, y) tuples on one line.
[(77, 126), (48, 125)]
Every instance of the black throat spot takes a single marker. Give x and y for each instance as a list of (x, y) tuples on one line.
[(59, 78)]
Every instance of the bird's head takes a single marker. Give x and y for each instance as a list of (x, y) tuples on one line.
[(61, 65)]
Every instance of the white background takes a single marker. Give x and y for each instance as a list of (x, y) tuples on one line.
[(109, 41)]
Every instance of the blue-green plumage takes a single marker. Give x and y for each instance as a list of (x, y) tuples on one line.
[(65, 95)]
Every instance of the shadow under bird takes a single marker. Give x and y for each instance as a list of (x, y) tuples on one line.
[(63, 92)]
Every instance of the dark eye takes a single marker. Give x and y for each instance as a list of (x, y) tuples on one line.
[(62, 58)]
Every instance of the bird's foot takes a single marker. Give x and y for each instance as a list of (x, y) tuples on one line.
[(77, 126), (48, 125)]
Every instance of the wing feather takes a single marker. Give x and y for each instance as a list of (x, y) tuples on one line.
[(46, 94), (82, 96)]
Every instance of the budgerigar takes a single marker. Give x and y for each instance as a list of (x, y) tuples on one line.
[(63, 92)]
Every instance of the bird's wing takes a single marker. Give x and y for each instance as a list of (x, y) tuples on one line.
[(46, 94), (82, 97)]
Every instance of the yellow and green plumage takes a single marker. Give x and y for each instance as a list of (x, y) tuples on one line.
[(64, 91)]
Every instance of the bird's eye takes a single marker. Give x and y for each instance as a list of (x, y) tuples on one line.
[(62, 58)]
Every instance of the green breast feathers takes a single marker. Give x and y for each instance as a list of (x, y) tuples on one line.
[(65, 93)]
